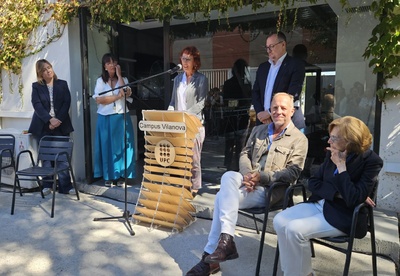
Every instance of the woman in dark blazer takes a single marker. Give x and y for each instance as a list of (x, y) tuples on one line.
[(344, 180), (51, 101)]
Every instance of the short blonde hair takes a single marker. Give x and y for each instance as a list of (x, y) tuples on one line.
[(354, 132)]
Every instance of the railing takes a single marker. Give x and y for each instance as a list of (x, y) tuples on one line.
[(216, 77)]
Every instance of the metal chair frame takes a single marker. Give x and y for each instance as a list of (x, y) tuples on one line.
[(252, 212), (349, 239), (7, 148), (51, 148)]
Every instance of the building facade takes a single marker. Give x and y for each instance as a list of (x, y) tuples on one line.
[(335, 39)]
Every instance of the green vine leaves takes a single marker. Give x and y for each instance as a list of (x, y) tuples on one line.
[(20, 22), (384, 45), (21, 19)]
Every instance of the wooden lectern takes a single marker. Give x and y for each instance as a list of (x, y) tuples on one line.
[(165, 197)]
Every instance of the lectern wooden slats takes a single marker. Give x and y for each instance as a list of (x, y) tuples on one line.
[(175, 164), (169, 171), (181, 158), (167, 189), (172, 209), (161, 179), (170, 199), (177, 142), (160, 215), (165, 197), (179, 151), (154, 221)]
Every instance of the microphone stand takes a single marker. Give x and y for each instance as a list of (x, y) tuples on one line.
[(126, 214), (170, 71)]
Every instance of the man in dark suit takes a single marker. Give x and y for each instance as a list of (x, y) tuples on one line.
[(280, 73)]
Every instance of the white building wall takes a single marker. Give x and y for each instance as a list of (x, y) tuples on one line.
[(389, 185), (64, 54)]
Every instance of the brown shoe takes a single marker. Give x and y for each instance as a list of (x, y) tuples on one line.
[(226, 250), (202, 268)]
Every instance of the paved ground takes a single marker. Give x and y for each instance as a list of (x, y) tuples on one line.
[(72, 243)]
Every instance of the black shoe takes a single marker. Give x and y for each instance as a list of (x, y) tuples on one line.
[(226, 250), (203, 269)]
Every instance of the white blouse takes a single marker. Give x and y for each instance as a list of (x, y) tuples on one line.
[(116, 107)]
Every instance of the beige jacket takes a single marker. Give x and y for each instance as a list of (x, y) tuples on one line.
[(285, 159)]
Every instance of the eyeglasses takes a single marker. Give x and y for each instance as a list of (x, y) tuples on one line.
[(334, 139), (270, 47), (186, 59)]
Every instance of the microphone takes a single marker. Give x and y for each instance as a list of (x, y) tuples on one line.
[(176, 68)]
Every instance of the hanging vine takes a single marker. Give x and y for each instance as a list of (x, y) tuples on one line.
[(19, 23), (20, 20), (384, 45)]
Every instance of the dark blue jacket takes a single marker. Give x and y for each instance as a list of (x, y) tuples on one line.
[(41, 104), (289, 79), (343, 192)]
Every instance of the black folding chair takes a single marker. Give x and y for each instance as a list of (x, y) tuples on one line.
[(252, 212), (51, 148), (7, 144), (349, 239)]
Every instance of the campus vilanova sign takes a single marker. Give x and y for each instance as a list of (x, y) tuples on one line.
[(158, 126)]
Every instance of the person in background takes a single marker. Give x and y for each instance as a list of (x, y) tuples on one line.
[(273, 153), (110, 147), (188, 94), (239, 85), (344, 180), (51, 100), (237, 89), (280, 73)]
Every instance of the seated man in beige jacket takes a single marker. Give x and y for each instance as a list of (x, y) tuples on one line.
[(273, 153)]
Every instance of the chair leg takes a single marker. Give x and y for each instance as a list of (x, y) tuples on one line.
[(74, 183), (39, 182), (276, 260), (19, 188), (54, 195), (260, 251), (255, 224), (312, 249), (348, 258), (13, 196), (373, 244)]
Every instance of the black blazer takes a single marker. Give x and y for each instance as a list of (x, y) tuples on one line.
[(289, 79), (343, 192), (41, 104)]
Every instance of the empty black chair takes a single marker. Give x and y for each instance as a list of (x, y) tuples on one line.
[(252, 212), (349, 239), (51, 148), (7, 145)]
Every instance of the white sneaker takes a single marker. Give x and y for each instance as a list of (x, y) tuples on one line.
[(72, 192), (108, 183), (46, 191), (120, 184)]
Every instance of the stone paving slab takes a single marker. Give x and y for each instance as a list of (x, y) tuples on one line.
[(72, 243)]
